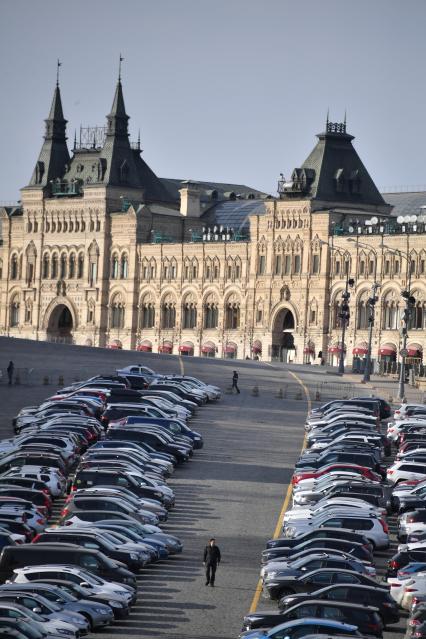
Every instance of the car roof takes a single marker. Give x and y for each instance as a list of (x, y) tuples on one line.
[(333, 602), (316, 621)]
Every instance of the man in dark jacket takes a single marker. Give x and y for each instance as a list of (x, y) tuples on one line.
[(235, 382), (211, 561)]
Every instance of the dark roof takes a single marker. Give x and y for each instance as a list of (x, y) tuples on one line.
[(223, 189), (54, 154), (234, 213), (406, 203), (334, 173)]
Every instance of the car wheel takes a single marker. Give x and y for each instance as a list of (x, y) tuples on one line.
[(89, 620)]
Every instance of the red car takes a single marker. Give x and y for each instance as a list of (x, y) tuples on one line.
[(353, 468)]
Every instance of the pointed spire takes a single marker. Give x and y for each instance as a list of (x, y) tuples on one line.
[(328, 119), (58, 64), (118, 118), (75, 139), (119, 67), (139, 140)]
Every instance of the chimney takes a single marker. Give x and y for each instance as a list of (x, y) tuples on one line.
[(190, 199)]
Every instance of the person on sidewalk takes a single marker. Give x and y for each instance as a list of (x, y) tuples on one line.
[(10, 370), (235, 382), (211, 561)]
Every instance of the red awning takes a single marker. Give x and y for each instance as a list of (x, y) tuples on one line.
[(414, 352), (145, 348), (208, 348), (166, 347), (230, 348), (115, 345), (335, 349), (186, 348), (257, 347), (387, 350), (360, 350)]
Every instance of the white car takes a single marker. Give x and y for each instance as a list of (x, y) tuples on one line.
[(403, 590), (411, 522), (136, 369), (277, 565), (394, 428), (405, 471), (341, 417), (374, 529), (93, 584), (349, 436), (401, 412), (301, 511), (53, 479), (313, 483)]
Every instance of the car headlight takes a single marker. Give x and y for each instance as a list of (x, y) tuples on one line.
[(270, 575), (115, 604), (134, 556), (101, 611), (65, 631)]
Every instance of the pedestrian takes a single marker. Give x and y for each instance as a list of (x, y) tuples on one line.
[(235, 382), (10, 370), (211, 560)]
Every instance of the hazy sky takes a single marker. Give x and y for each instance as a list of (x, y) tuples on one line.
[(222, 90)]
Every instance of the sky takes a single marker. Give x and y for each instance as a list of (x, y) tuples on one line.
[(221, 90)]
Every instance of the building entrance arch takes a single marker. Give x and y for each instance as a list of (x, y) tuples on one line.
[(60, 325), (282, 336)]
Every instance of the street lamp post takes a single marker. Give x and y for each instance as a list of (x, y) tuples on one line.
[(371, 305), (409, 303), (344, 316)]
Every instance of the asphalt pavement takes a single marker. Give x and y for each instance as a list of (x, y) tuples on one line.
[(232, 489)]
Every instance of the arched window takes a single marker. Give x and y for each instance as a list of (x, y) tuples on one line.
[(362, 311), (14, 267), (28, 312), (124, 267), (216, 268), (230, 269), (194, 268), (232, 314), (390, 311), (189, 313), (173, 269), (14, 311), (238, 269), (208, 271), (63, 267), (417, 319), (114, 267), (211, 312), (117, 311), (46, 266), (152, 268), (54, 270), (80, 266), (168, 314), (147, 313), (71, 268), (187, 269)]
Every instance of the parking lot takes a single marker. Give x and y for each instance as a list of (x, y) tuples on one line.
[(233, 488)]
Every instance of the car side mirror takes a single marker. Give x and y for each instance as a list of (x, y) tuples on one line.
[(84, 584), (303, 567), (37, 609)]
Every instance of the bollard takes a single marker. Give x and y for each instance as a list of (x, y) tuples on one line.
[(61, 380), (280, 393), (45, 380), (255, 391)]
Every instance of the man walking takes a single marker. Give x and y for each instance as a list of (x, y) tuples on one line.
[(211, 561), (235, 382), (10, 370)]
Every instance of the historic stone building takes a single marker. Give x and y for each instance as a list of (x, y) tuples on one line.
[(102, 252)]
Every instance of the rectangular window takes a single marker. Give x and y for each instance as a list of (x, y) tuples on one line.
[(145, 273), (422, 267), (173, 272), (187, 272), (92, 273), (194, 272), (229, 272), (315, 264), (277, 266), (387, 267), (361, 267), (262, 264), (216, 272), (152, 272), (337, 267), (412, 266), (166, 272), (396, 267), (207, 272), (371, 267), (259, 314), (237, 271), (313, 316), (287, 265), (297, 263)]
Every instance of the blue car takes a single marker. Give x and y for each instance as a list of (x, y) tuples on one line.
[(302, 627), (174, 426)]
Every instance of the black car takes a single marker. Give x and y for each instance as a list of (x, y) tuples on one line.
[(367, 618), (348, 535), (403, 558), (371, 595), (350, 547), (88, 478), (159, 442), (281, 581), (131, 559)]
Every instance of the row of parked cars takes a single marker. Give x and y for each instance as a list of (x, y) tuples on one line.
[(321, 570), (406, 570), (106, 446)]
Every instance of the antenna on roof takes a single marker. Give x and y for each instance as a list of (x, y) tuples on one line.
[(119, 67), (58, 64), (328, 117)]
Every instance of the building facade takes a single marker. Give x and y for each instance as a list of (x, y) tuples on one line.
[(102, 252)]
